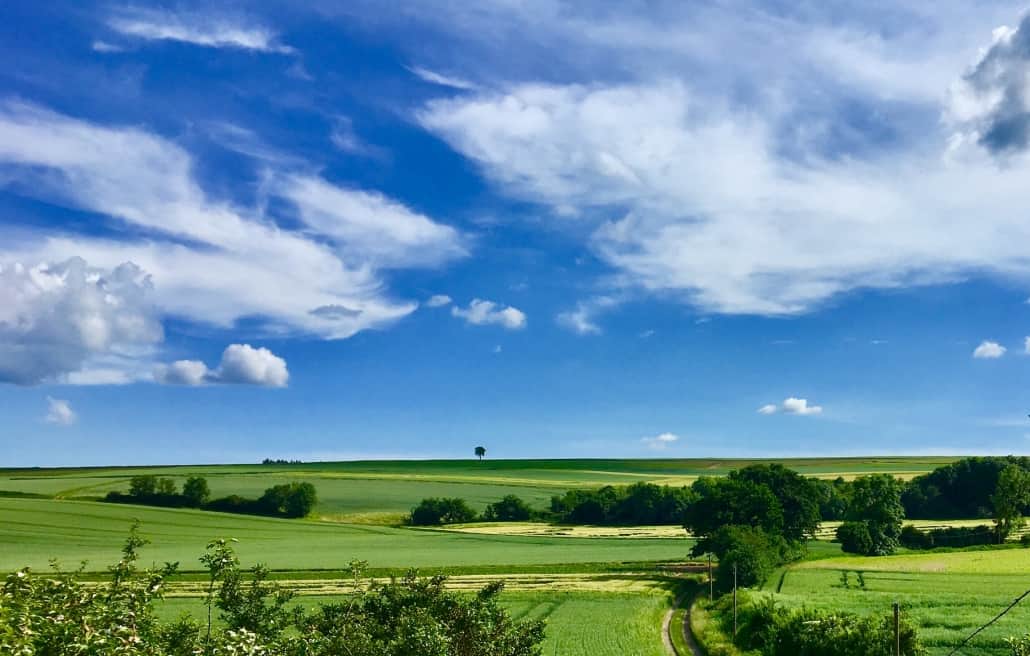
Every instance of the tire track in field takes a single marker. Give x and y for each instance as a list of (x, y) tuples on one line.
[(688, 635)]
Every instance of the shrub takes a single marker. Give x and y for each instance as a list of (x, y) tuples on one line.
[(288, 500), (753, 552), (59, 614), (435, 511), (773, 630), (912, 538), (854, 538), (509, 509)]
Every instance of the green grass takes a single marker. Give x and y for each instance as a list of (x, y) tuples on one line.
[(578, 623), (34, 530), (947, 595)]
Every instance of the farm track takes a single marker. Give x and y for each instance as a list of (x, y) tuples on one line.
[(688, 635)]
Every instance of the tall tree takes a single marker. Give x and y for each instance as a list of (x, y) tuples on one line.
[(876, 502), (480, 452), (1009, 499)]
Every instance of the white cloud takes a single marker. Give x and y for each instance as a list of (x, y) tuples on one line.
[(480, 312), (104, 46), (182, 372), (59, 412), (660, 442), (723, 206), (371, 226), (241, 364), (202, 30), (438, 300), (796, 406), (768, 409), (212, 262), (55, 319), (1026, 345), (989, 350), (582, 320), (433, 77)]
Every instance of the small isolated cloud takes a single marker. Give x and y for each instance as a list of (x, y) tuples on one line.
[(480, 312), (660, 442), (582, 319), (791, 406), (241, 364), (498, 349), (200, 30), (644, 334), (796, 406), (1026, 345), (346, 139), (59, 412), (104, 46), (438, 300), (433, 77), (989, 350)]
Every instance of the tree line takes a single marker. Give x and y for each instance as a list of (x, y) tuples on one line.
[(287, 500), (58, 613)]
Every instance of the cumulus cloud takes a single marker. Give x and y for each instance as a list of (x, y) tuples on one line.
[(438, 300), (660, 442), (201, 30), (59, 412), (212, 262), (57, 318), (796, 406), (989, 350), (480, 312), (992, 101), (791, 406), (241, 364)]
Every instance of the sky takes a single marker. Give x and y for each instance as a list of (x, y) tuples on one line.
[(328, 230)]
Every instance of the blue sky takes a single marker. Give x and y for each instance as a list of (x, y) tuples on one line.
[(231, 231)]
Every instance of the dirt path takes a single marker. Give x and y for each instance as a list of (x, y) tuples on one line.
[(688, 637)]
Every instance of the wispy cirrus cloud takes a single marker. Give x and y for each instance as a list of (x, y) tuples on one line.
[(209, 261), (59, 412), (439, 79), (206, 30)]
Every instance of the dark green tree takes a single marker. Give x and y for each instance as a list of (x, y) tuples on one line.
[(1010, 499), (480, 452), (195, 491), (876, 502), (509, 509), (143, 486), (435, 511)]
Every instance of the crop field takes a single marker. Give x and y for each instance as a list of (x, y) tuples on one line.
[(579, 623), (382, 491), (947, 595)]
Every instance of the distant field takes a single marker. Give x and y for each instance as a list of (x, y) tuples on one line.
[(34, 530), (380, 492), (578, 623), (947, 595)]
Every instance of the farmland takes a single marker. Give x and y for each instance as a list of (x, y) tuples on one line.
[(601, 589)]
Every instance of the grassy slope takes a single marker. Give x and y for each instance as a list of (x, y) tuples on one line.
[(948, 595), (34, 530), (352, 491)]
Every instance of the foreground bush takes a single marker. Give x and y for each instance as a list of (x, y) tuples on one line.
[(59, 615), (773, 630)]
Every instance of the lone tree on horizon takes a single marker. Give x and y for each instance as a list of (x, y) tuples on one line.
[(480, 452)]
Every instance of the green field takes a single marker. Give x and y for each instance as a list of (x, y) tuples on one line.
[(578, 623), (947, 595), (381, 491), (618, 609)]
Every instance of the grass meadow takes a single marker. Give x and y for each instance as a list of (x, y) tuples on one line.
[(947, 595)]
